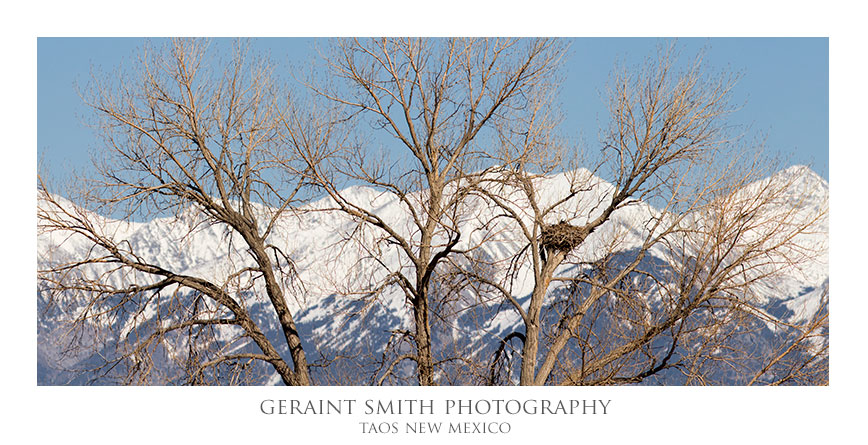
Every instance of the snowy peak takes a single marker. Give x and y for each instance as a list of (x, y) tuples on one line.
[(335, 256)]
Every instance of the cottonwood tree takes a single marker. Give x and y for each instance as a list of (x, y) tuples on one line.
[(616, 291), (190, 135), (623, 292), (442, 102)]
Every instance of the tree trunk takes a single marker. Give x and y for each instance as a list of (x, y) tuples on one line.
[(423, 341), (276, 296), (531, 344)]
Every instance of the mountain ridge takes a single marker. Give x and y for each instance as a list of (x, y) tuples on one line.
[(313, 239)]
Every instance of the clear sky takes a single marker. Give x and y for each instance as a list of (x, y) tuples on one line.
[(784, 88)]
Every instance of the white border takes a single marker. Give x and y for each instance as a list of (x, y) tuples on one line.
[(648, 415)]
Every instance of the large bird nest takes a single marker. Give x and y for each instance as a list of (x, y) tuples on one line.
[(562, 236)]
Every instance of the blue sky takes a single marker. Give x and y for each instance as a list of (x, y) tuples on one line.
[(784, 89)]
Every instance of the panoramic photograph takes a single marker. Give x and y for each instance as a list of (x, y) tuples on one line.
[(432, 211)]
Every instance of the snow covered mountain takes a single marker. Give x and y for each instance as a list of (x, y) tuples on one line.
[(335, 257)]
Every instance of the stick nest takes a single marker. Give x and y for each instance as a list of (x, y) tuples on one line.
[(562, 236)]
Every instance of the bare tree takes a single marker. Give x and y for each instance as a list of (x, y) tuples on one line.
[(183, 139), (623, 314), (442, 102), (661, 272)]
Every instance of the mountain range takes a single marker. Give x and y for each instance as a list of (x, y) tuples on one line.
[(338, 261)]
